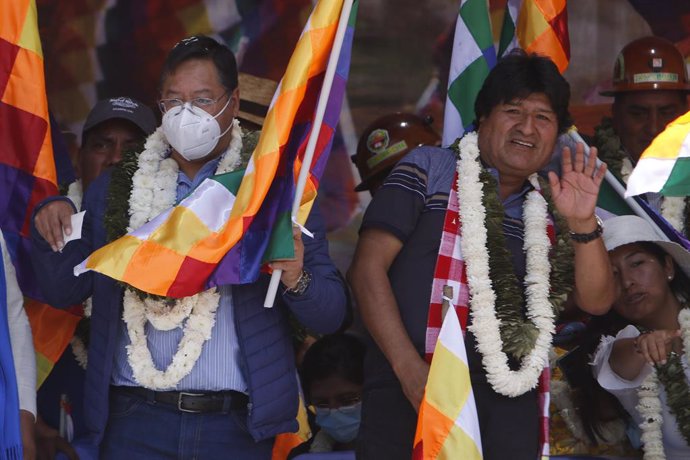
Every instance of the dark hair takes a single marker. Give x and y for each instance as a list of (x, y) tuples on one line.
[(518, 75), (339, 355), (202, 47)]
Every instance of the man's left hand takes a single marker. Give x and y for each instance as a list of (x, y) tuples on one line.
[(292, 269), (575, 192)]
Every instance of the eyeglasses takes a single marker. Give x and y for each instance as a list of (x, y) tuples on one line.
[(201, 102)]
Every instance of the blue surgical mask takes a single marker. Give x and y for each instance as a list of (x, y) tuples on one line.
[(342, 424)]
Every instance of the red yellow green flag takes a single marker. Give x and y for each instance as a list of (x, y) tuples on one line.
[(664, 166)]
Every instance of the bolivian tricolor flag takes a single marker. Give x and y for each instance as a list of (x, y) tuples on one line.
[(664, 166)]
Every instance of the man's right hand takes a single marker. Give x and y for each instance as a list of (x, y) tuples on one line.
[(51, 220), (413, 375), (368, 276), (49, 443)]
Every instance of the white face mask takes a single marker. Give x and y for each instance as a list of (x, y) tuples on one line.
[(192, 131)]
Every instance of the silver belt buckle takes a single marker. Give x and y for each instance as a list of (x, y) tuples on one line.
[(179, 402)]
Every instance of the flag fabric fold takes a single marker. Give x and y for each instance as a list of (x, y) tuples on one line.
[(27, 168), (228, 231), (448, 425), (508, 38), (52, 330), (664, 167), (542, 27)]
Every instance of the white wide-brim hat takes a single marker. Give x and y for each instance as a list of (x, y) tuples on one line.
[(622, 230)]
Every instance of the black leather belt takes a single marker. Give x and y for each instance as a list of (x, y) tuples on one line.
[(184, 401)]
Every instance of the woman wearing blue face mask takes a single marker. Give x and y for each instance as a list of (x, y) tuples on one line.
[(332, 378)]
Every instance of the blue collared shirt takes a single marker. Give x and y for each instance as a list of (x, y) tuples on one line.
[(218, 365)]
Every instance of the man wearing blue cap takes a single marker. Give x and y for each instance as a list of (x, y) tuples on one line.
[(113, 127)]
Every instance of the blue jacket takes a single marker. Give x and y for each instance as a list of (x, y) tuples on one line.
[(264, 333)]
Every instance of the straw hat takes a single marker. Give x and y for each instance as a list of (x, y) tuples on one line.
[(622, 230), (255, 97)]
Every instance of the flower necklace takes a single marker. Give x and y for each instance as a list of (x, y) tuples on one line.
[(672, 376), (675, 209), (649, 407), (197, 330), (80, 339), (154, 182), (75, 193), (485, 322), (153, 191)]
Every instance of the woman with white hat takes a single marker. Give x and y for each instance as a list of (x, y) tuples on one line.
[(645, 366)]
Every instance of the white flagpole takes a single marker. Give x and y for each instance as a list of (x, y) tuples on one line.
[(314, 135), (618, 188)]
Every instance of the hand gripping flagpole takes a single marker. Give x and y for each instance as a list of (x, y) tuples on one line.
[(618, 187), (314, 134)]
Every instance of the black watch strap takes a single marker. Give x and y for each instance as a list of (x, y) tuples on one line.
[(587, 237)]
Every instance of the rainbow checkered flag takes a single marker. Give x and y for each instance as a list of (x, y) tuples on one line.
[(448, 426), (473, 57), (537, 26), (27, 168), (222, 232), (664, 167)]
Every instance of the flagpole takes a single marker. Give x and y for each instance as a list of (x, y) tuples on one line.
[(314, 134), (618, 187)]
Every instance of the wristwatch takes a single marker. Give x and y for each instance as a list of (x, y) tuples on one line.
[(302, 284), (587, 237)]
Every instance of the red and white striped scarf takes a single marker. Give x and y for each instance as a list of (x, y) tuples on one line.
[(450, 272)]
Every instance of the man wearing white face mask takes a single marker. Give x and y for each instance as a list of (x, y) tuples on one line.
[(223, 396)]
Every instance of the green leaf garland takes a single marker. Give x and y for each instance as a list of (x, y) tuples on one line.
[(519, 334), (672, 376)]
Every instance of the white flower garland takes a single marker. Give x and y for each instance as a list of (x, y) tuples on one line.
[(167, 316), (154, 190), (79, 351), (75, 193), (485, 324), (673, 210), (197, 331), (650, 406), (78, 348), (154, 183), (626, 168)]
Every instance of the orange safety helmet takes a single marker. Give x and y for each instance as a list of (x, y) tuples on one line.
[(649, 63), (386, 140)]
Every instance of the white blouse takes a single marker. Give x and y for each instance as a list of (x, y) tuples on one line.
[(626, 392), (20, 336)]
